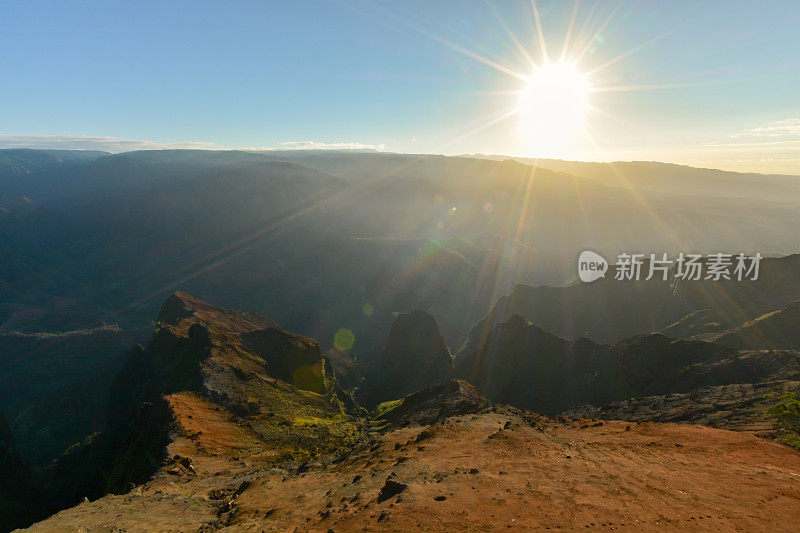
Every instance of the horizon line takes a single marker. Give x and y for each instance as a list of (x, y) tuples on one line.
[(313, 147)]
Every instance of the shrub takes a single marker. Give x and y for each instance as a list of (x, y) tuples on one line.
[(786, 408)]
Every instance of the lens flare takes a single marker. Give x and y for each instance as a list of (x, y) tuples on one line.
[(343, 340)]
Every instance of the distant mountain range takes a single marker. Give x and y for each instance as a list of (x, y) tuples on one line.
[(676, 179), (274, 231)]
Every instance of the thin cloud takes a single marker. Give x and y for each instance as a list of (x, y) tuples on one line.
[(116, 144), (788, 127), (87, 142), (314, 145)]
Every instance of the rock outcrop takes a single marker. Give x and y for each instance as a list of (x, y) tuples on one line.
[(433, 404), (414, 357), (221, 382), (738, 407), (519, 364)]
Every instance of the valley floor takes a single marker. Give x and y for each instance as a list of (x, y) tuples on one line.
[(500, 469)]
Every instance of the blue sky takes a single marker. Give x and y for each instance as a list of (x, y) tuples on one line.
[(717, 83)]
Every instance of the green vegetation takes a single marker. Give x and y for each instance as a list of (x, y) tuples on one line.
[(385, 408), (300, 424), (786, 408), (379, 418), (309, 433), (310, 378)]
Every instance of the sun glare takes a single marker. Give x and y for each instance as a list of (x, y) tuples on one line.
[(551, 109), (552, 112)]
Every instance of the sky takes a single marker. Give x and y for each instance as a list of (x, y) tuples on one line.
[(706, 83)]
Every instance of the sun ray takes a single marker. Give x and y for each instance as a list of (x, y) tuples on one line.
[(569, 31), (513, 37), (629, 52), (629, 88), (500, 117), (546, 117), (606, 114), (639, 198), (539, 32), (596, 34), (252, 239), (506, 92), (449, 44), (473, 55), (581, 34)]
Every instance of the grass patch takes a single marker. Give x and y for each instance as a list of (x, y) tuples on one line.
[(379, 418), (383, 409)]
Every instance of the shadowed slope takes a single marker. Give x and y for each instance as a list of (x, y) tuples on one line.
[(519, 364), (214, 379), (608, 310), (433, 404), (775, 330), (413, 357), (19, 501)]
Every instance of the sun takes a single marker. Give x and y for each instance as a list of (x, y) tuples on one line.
[(559, 100), (551, 109)]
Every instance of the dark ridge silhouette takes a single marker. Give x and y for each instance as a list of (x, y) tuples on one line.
[(414, 356)]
